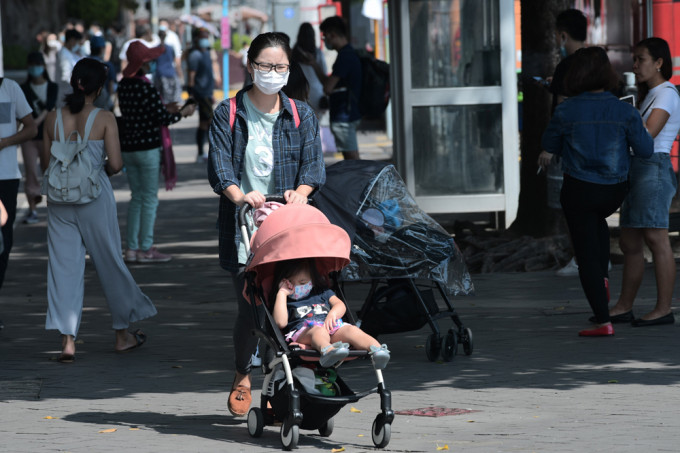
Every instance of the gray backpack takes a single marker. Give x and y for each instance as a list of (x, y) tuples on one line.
[(71, 178)]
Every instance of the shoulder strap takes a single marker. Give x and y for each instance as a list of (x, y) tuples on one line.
[(232, 112), (89, 123), (296, 116), (59, 128)]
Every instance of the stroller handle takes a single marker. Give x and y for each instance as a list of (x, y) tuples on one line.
[(246, 208), (245, 226)]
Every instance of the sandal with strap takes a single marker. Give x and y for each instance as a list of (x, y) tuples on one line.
[(239, 400), (330, 357)]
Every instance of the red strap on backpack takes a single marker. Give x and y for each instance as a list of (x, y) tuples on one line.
[(296, 116), (232, 113)]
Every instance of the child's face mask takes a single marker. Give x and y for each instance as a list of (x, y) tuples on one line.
[(301, 291)]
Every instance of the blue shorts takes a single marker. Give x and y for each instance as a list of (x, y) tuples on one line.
[(652, 186), (345, 135)]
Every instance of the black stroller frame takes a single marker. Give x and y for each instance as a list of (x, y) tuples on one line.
[(402, 251), (291, 405), (436, 343)]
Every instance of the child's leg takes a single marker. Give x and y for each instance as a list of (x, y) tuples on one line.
[(319, 339), (356, 337), (316, 337), (359, 339)]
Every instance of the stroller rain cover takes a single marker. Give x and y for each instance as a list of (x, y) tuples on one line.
[(391, 236)]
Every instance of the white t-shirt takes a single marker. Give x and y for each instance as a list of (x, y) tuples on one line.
[(13, 107), (664, 97), (172, 40)]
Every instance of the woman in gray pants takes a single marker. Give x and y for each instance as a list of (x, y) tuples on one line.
[(93, 226)]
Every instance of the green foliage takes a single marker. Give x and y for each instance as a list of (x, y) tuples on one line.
[(102, 11), (237, 40), (14, 56)]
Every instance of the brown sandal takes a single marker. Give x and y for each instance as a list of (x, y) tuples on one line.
[(239, 400)]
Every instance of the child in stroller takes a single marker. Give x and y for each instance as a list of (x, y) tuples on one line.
[(290, 393), (309, 313)]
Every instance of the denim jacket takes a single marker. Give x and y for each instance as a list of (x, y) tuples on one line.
[(593, 132), (298, 160)]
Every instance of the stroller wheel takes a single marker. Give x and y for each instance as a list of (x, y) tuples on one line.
[(255, 422), (381, 432), (432, 347), (450, 346), (289, 435), (467, 341), (327, 429)]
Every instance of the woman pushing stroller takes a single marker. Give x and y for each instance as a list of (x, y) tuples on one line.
[(267, 143), (309, 313)]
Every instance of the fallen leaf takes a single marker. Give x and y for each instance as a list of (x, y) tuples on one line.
[(360, 435), (612, 381), (110, 430), (134, 429), (337, 450), (79, 342), (419, 346), (471, 421), (49, 417), (354, 409), (445, 447)]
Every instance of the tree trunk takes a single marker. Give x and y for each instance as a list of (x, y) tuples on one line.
[(538, 59)]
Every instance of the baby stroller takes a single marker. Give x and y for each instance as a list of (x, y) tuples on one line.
[(293, 232), (407, 255)]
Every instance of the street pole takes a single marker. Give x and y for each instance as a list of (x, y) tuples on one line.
[(187, 11), (154, 17), (226, 45)]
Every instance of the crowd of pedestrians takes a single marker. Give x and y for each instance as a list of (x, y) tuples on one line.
[(268, 140)]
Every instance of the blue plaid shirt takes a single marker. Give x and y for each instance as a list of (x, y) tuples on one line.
[(298, 160)]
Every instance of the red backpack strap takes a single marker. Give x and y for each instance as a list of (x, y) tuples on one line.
[(232, 112), (296, 116)]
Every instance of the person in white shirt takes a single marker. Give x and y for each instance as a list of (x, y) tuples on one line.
[(13, 109), (67, 57), (653, 183)]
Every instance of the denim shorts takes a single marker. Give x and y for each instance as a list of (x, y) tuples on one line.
[(345, 135), (652, 186)]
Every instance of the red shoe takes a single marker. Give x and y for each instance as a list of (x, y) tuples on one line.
[(604, 331)]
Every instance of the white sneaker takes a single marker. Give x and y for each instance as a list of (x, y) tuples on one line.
[(570, 270), (130, 256)]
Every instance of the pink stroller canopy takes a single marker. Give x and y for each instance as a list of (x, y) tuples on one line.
[(298, 231)]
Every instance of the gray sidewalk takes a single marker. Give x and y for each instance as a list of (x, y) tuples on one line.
[(531, 382)]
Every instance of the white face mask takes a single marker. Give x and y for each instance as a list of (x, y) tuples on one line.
[(269, 82)]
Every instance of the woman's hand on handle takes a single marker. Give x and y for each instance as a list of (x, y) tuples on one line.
[(293, 197), (299, 195), (254, 199)]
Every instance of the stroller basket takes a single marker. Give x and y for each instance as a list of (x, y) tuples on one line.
[(316, 409)]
